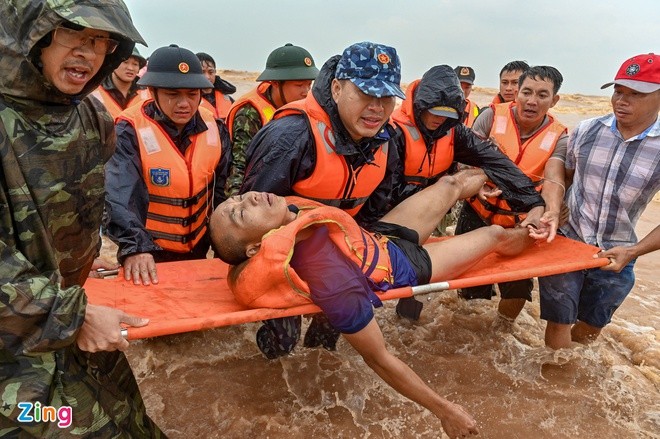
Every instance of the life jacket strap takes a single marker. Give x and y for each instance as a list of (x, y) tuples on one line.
[(185, 222), (181, 202), (183, 239)]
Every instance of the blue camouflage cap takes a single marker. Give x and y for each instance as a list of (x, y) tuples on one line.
[(374, 68)]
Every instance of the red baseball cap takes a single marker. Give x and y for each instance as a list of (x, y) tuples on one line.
[(641, 73)]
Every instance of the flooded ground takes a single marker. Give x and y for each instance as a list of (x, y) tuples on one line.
[(216, 384)]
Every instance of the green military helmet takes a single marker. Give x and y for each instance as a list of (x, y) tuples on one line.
[(174, 67), (289, 63), (136, 54)]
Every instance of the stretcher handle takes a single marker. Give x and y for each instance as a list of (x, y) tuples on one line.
[(430, 288)]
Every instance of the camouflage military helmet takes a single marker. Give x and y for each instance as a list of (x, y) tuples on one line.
[(289, 63), (174, 67)]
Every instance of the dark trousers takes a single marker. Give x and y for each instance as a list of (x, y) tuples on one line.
[(469, 220)]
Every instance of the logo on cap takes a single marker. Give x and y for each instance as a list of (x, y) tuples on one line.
[(632, 69), (383, 58), (465, 71), (183, 67), (307, 61)]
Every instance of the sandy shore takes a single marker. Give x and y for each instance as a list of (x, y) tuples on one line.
[(569, 110)]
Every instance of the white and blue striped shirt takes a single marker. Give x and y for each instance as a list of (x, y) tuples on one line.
[(614, 181)]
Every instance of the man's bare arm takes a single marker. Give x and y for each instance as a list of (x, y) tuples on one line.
[(554, 188), (370, 344), (622, 255)]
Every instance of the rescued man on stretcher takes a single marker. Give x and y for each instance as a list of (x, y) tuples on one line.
[(287, 251)]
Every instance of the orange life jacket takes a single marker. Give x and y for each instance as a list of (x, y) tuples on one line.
[(421, 165), (266, 280), (180, 186), (497, 100), (257, 98), (333, 181), (222, 105), (530, 156), (472, 111), (113, 106)]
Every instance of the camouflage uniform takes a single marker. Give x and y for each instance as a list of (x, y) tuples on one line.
[(53, 147), (246, 124)]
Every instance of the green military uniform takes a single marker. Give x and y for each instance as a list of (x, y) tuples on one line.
[(286, 63), (246, 124), (52, 151)]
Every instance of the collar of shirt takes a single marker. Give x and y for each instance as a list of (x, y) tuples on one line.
[(652, 131)]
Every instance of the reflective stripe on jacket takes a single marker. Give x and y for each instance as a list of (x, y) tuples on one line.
[(471, 111), (334, 181), (266, 280), (257, 98), (180, 186), (530, 156)]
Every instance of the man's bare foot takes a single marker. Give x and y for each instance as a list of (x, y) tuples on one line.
[(514, 241)]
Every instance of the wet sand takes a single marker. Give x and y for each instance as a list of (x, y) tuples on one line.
[(216, 384)]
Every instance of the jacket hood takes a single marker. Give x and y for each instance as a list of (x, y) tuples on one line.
[(223, 86), (24, 23), (344, 144), (438, 87), (322, 86)]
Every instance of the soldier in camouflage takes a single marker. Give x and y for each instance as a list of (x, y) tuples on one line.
[(288, 77), (57, 350), (245, 126)]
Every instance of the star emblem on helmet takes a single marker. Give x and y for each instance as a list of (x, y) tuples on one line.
[(383, 58), (307, 61), (184, 67)]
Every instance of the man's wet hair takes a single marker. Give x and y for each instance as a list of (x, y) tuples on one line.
[(228, 248), (543, 73), (514, 66), (205, 57)]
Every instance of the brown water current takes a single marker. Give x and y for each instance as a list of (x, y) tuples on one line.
[(216, 384)]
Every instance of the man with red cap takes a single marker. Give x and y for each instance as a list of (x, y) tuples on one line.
[(613, 170)]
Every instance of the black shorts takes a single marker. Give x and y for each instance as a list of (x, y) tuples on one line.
[(407, 240)]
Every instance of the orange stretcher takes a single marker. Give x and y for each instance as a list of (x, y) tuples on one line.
[(194, 295)]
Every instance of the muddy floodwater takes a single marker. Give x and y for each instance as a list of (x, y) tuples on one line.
[(216, 384)]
